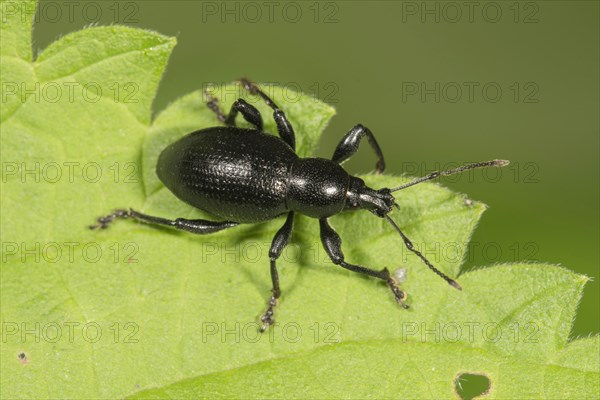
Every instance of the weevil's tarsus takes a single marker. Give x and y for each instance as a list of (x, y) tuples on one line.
[(411, 247), (399, 294), (437, 174), (267, 318), (103, 222)]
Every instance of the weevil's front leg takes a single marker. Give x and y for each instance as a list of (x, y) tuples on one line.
[(248, 111), (333, 246), (279, 242), (349, 145), (198, 226), (284, 127)]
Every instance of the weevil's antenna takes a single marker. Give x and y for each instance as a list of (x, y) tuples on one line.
[(436, 174), (410, 246)]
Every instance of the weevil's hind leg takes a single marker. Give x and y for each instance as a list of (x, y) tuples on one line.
[(284, 127), (198, 226), (349, 145), (248, 111), (333, 246), (279, 242)]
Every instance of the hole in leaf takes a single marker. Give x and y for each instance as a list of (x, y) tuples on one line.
[(469, 386), (22, 357)]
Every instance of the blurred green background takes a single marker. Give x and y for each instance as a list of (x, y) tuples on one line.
[(439, 83)]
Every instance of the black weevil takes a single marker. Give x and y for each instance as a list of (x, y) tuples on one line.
[(247, 176)]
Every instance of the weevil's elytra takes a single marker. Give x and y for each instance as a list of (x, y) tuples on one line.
[(236, 174), (248, 176)]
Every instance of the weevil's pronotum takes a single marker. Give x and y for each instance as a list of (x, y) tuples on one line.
[(245, 175)]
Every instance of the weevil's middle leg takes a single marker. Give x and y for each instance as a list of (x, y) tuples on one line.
[(279, 242), (333, 246)]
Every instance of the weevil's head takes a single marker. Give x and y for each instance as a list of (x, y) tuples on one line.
[(359, 196)]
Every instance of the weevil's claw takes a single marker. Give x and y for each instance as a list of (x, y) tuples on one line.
[(103, 222), (399, 294), (267, 317)]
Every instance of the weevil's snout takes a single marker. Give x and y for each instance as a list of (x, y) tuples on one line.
[(360, 196)]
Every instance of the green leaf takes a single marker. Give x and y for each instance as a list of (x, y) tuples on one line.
[(136, 311), (390, 369)]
